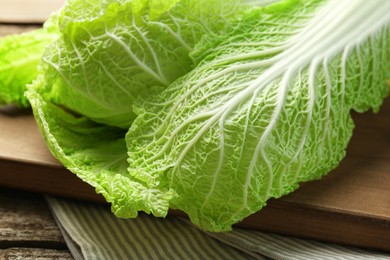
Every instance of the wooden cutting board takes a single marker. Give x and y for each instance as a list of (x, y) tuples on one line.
[(27, 11), (350, 206)]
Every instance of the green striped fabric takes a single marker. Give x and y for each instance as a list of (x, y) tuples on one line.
[(94, 233), (91, 231)]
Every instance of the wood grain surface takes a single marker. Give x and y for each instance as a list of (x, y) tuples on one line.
[(26, 219), (27, 228), (34, 253), (351, 205)]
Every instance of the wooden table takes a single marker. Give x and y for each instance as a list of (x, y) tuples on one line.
[(27, 228)]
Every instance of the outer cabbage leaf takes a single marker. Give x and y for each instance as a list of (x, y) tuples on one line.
[(96, 152), (20, 55), (267, 107), (111, 52)]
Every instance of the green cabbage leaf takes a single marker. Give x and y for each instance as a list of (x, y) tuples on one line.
[(20, 55), (267, 108), (111, 52), (209, 107)]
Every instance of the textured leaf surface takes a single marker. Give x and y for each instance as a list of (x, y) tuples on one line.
[(111, 52), (97, 154), (268, 107), (19, 58), (108, 53)]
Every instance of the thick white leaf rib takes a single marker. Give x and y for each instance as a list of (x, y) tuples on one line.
[(175, 35), (83, 70), (152, 52), (335, 30), (133, 56)]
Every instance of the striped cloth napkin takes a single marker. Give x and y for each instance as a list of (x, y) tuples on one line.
[(91, 231)]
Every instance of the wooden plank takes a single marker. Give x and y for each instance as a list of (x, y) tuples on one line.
[(27, 11), (45, 179), (346, 228), (33, 163), (35, 253), (30, 148), (26, 221), (14, 29)]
